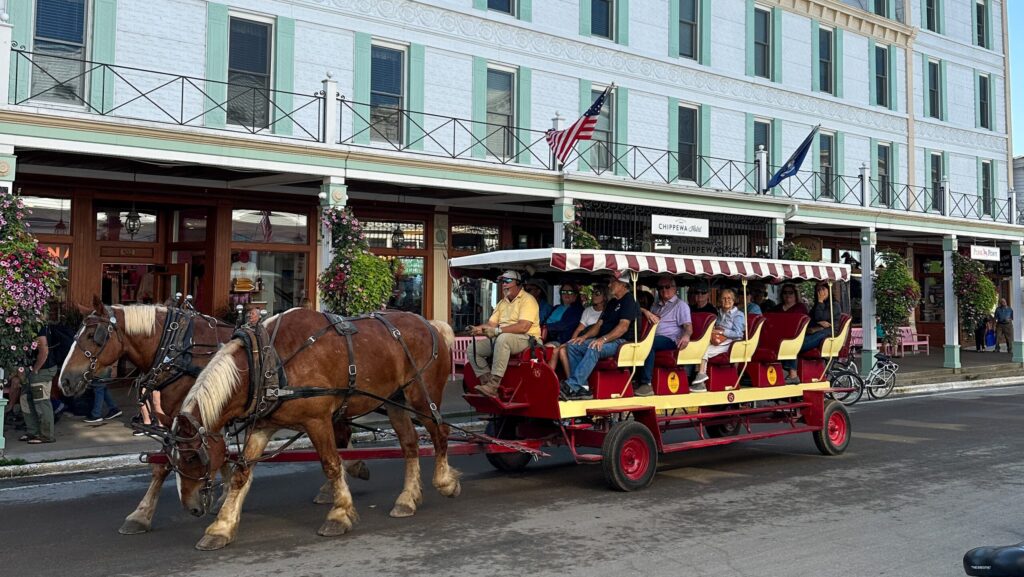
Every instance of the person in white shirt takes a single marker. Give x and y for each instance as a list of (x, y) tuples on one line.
[(591, 314)]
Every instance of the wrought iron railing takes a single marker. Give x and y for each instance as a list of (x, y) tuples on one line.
[(903, 197), (139, 94), (820, 186)]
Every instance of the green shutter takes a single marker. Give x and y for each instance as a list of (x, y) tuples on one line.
[(361, 89), (622, 22), (872, 97), (977, 99), (479, 106), (704, 129), (874, 174), (673, 32), (926, 107), (673, 138), (414, 126), (216, 65), (943, 90), (777, 44), (893, 77), (776, 143), (585, 17), (750, 38), (104, 32), (750, 151), (978, 169), (525, 10), (524, 114), (480, 4), (974, 23), (840, 168), (894, 165), (284, 74), (21, 13), (815, 55), (621, 130), (839, 54), (586, 99), (705, 32)]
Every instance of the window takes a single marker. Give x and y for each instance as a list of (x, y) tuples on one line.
[(826, 66), (275, 281), (986, 188), (935, 173), (124, 222), (506, 6), (386, 94), (48, 215), (934, 90), (688, 133), (981, 23), (763, 137), (762, 43), (984, 102), (688, 28), (826, 163), (881, 7), (931, 15), (268, 226), (882, 76), (59, 44), (249, 73), (884, 174), (601, 18), (601, 151), (500, 118)]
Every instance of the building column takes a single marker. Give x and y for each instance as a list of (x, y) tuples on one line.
[(1015, 301), (776, 237), (762, 176), (951, 349), (441, 279), (868, 240), (333, 193), (562, 212)]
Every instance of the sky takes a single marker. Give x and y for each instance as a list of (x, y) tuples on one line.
[(1016, 32)]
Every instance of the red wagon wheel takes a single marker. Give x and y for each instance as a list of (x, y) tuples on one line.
[(505, 428), (834, 437), (629, 456)]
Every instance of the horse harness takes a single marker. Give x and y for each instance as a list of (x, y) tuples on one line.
[(174, 355)]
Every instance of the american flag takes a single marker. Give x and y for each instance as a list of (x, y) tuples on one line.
[(265, 227), (562, 141)]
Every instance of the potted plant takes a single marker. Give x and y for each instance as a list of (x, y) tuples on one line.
[(356, 281)]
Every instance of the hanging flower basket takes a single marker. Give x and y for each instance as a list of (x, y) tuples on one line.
[(356, 282)]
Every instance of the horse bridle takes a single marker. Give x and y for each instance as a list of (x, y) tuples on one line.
[(101, 337), (172, 440)]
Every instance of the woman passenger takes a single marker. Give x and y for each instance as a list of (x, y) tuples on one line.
[(790, 301), (598, 298), (824, 311), (564, 318), (731, 324)]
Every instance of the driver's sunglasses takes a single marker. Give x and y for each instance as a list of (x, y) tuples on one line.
[(504, 279)]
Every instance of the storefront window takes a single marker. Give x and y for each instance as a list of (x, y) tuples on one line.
[(190, 225), (274, 281), (58, 304), (471, 302), (268, 226), (195, 275), (932, 296), (125, 224), (49, 215), (407, 294), (395, 234), (472, 238)]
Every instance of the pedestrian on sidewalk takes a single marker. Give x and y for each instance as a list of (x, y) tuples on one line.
[(101, 395), (1004, 325), (35, 400)]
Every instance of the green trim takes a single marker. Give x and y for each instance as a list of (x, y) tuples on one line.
[(704, 44), (585, 18), (951, 356), (816, 164), (479, 112), (815, 55), (480, 4), (978, 169), (838, 56), (940, 9), (777, 44), (704, 128), (749, 139), (525, 12), (872, 70), (216, 64), (977, 99), (284, 73), (890, 7), (943, 90), (893, 78), (673, 136), (621, 128), (585, 97), (12, 167), (925, 79), (776, 146), (622, 22), (104, 34), (524, 112), (750, 38), (894, 164), (874, 171), (673, 31), (22, 13), (363, 51), (840, 160), (417, 79)]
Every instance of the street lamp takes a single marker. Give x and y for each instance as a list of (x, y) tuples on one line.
[(133, 222), (397, 238)]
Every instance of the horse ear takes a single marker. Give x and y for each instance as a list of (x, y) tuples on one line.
[(97, 303)]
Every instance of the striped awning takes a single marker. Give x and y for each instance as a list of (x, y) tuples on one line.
[(597, 261)]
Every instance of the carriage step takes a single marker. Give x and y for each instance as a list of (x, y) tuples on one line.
[(588, 458)]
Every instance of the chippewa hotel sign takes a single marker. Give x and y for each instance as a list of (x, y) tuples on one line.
[(679, 226)]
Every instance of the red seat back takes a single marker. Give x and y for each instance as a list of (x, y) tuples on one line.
[(777, 328), (702, 323)]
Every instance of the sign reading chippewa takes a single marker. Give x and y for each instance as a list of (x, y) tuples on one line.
[(679, 226)]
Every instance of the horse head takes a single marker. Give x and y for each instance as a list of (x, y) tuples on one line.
[(98, 346)]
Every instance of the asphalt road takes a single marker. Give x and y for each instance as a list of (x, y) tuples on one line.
[(925, 479)]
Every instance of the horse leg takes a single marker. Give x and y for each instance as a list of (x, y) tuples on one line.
[(343, 514), (223, 530), (412, 492), (357, 469), (226, 471), (141, 519), (446, 477)]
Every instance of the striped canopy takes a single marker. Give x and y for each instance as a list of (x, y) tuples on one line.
[(596, 261)]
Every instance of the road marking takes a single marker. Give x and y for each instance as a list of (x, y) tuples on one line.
[(889, 438), (75, 482), (927, 425), (698, 475)]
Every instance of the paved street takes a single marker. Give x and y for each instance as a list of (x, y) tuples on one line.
[(925, 479)]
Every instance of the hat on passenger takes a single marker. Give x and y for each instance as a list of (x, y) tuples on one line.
[(512, 275), (701, 287), (622, 276)]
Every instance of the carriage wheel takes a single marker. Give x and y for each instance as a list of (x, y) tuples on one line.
[(505, 428), (724, 429), (629, 456), (834, 437)]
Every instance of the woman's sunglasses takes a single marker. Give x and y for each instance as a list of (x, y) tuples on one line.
[(568, 292)]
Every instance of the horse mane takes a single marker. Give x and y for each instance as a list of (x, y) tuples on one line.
[(215, 385), (140, 320)]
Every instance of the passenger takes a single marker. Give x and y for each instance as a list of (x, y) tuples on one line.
[(824, 311), (752, 308), (790, 301), (514, 321), (731, 325), (564, 319), (538, 289), (644, 299), (674, 329), (598, 298), (759, 296), (702, 300), (602, 340)]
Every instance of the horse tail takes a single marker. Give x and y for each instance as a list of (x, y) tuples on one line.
[(446, 332)]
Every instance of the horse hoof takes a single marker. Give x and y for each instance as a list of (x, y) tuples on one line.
[(324, 498), (212, 542), (360, 471), (403, 510), (333, 529), (453, 490), (456, 491), (133, 527)]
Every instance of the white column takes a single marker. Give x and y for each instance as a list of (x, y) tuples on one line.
[(1011, 206), (562, 211), (776, 236), (868, 240), (556, 125), (865, 186), (951, 350), (6, 32), (761, 158), (945, 196), (331, 129), (333, 192), (1015, 301)]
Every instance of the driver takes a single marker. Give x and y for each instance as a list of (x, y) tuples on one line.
[(515, 320)]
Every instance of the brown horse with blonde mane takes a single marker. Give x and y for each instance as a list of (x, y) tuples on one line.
[(329, 368)]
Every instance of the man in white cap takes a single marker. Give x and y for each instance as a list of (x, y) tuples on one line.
[(515, 320)]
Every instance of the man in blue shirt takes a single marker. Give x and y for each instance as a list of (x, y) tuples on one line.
[(1004, 325), (674, 328)]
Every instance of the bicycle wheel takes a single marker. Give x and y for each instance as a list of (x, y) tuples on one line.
[(881, 387), (847, 380)]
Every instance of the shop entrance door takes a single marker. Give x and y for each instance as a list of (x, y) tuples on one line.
[(127, 284)]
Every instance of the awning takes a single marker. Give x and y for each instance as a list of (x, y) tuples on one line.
[(596, 261)]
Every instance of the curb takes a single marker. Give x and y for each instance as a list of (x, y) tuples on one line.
[(957, 385)]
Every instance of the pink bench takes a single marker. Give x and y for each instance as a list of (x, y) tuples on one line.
[(909, 340)]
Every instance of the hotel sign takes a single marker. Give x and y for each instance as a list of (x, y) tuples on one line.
[(985, 252), (679, 226)]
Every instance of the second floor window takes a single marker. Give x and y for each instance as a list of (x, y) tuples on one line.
[(884, 175), (506, 6), (59, 44), (249, 74), (688, 28), (981, 23), (931, 15), (984, 102), (881, 7), (826, 163), (826, 61), (688, 133), (986, 188), (601, 150), (882, 76), (500, 115), (762, 43), (386, 92), (934, 95), (935, 176), (602, 18)]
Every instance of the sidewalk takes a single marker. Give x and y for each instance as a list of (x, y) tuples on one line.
[(110, 445)]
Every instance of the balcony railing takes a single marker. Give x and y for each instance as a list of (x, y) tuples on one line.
[(138, 94)]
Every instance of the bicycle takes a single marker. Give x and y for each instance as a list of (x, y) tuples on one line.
[(882, 378), (841, 377), (878, 383)]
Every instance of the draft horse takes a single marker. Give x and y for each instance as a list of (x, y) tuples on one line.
[(302, 370)]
